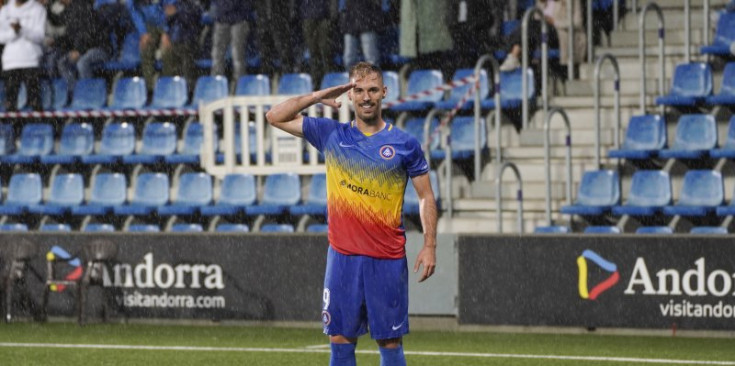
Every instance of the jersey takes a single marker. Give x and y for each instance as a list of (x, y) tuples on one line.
[(366, 180)]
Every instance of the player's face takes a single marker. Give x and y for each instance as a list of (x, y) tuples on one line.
[(367, 97)]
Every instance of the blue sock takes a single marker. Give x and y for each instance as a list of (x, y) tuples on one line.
[(392, 356), (343, 354)]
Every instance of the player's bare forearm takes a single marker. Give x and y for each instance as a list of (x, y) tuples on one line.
[(429, 216), (289, 109)]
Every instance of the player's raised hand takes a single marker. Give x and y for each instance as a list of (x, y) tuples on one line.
[(329, 96)]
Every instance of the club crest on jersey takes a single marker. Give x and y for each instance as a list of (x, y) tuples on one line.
[(387, 152)]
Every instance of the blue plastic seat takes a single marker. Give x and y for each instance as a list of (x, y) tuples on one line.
[(724, 36), (457, 93), (128, 58), (7, 139), (463, 139), (726, 96), (696, 135), (511, 90), (55, 228), (22, 100), (727, 150), (650, 191), (420, 81), (130, 93), (118, 139), (390, 81), (13, 227), (551, 230), (277, 228), (144, 228), (602, 230), (691, 84), (701, 193), (194, 190), (108, 190), (24, 189), (709, 230), (77, 140), (209, 89), (645, 136), (170, 92), (187, 228), (151, 192), (280, 192), (295, 84), (334, 79), (159, 140), (89, 94), (415, 128), (54, 94), (237, 192), (67, 191), (99, 228), (232, 228), (663, 230), (316, 200), (317, 228), (36, 140), (599, 190), (193, 138), (254, 85), (411, 198)]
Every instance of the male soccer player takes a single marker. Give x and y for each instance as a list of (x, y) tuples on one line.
[(368, 163)]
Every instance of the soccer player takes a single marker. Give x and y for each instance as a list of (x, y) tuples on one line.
[(368, 164)]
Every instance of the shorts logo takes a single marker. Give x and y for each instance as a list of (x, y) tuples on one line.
[(387, 152), (326, 317), (601, 287)]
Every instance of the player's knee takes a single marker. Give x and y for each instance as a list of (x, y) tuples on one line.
[(390, 343), (340, 339)]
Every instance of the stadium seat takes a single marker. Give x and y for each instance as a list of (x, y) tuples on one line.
[(294, 84), (696, 135), (411, 198), (66, 191), (726, 96), (709, 230), (390, 81), (253, 85), (316, 200), (22, 100), (277, 228), (170, 92), (194, 190), (727, 150), (89, 94), (422, 81), (232, 228), (36, 140), (99, 228), (551, 230), (317, 228), (463, 139), (645, 136), (191, 146), (334, 79), (415, 128), (650, 191), (459, 92), (187, 228), (55, 228), (24, 189), (511, 90), (130, 93), (7, 139), (598, 191), (237, 192), (691, 84), (143, 228), (159, 140), (602, 230), (280, 192), (150, 192), (724, 36), (129, 55), (54, 94), (108, 190), (654, 230), (701, 193), (77, 140), (13, 227), (209, 89), (118, 139)]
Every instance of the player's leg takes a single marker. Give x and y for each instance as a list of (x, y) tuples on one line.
[(391, 352), (343, 351), (386, 298)]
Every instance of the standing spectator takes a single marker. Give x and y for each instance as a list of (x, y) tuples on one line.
[(318, 21), (425, 33), (89, 41), (361, 21), (472, 23), (231, 27), (183, 19), (150, 22), (274, 38), (22, 24)]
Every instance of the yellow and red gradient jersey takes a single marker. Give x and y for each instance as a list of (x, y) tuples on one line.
[(366, 180)]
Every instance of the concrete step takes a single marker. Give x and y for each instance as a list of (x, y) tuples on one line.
[(630, 38), (673, 18), (487, 222), (628, 86), (584, 118), (532, 190), (557, 138), (535, 171), (630, 68), (626, 101), (651, 50)]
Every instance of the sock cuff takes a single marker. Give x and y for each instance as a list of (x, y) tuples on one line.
[(343, 350)]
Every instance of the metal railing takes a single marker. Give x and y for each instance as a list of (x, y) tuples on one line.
[(642, 51), (524, 63), (478, 110), (547, 159), (705, 23), (616, 68), (570, 49), (499, 196), (687, 31)]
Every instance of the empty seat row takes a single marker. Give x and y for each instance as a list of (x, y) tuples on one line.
[(691, 86)]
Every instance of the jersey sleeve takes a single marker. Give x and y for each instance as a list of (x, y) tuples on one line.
[(415, 162), (318, 130)]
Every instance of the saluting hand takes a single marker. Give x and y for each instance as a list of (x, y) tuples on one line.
[(329, 96)]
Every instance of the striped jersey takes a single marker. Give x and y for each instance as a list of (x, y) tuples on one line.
[(366, 180)]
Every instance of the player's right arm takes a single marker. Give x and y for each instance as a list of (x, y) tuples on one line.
[(287, 114)]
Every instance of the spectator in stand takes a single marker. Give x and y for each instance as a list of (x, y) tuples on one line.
[(318, 21), (22, 24), (89, 41), (425, 34), (472, 23), (231, 26), (274, 36), (150, 22), (183, 20), (361, 21)]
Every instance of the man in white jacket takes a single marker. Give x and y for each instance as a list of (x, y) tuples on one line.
[(22, 25)]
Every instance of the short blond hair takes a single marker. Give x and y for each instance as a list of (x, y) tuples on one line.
[(363, 69)]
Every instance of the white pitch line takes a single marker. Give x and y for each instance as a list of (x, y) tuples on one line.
[(318, 346), (410, 353)]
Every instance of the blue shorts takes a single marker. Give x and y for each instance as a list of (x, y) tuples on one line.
[(362, 292)]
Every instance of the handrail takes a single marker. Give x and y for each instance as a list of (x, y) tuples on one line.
[(590, 44), (524, 63), (705, 26), (496, 89), (448, 174), (616, 68), (499, 196), (547, 158), (687, 31), (426, 144), (642, 51), (570, 49)]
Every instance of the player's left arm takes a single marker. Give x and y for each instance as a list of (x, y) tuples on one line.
[(428, 214)]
